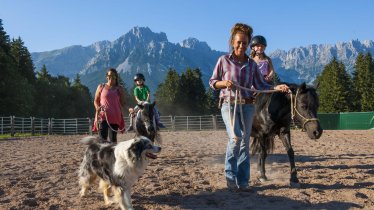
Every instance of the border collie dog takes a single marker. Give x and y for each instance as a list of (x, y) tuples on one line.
[(118, 167)]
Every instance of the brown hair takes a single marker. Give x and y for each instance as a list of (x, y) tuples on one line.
[(240, 28), (114, 71)]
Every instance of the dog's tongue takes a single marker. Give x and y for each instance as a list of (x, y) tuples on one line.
[(150, 155)]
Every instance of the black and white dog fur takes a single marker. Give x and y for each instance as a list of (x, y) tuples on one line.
[(118, 167)]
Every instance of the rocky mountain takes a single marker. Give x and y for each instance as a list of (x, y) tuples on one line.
[(141, 50), (306, 63)]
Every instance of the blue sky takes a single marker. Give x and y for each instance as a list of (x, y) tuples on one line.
[(53, 24)]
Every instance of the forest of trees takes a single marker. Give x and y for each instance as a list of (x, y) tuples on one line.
[(339, 92), (25, 92)]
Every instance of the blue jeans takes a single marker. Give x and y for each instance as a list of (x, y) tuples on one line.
[(237, 152)]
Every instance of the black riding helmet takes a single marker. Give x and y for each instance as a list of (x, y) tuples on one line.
[(258, 40), (139, 76)]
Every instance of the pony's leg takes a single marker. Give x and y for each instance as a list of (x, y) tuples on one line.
[(285, 136), (261, 160)]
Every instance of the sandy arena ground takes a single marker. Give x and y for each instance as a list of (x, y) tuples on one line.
[(336, 172)]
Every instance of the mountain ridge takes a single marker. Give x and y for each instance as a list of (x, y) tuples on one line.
[(143, 51)]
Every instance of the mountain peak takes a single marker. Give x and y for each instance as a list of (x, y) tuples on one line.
[(145, 33), (193, 43)]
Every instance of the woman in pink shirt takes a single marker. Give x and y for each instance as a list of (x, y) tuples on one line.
[(109, 104)]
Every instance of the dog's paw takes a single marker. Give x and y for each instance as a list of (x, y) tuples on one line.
[(82, 193), (109, 201)]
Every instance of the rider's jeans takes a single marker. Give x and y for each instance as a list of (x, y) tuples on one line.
[(237, 168)]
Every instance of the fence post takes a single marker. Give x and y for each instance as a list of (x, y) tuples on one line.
[(200, 122), (172, 122), (187, 122), (89, 126), (76, 125), (2, 125), (214, 119), (23, 125), (32, 126), (49, 126), (12, 129)]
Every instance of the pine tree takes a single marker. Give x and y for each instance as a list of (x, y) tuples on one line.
[(81, 99), (211, 106), (167, 94), (363, 81), (193, 97), (335, 88), (6, 64), (15, 91), (23, 60)]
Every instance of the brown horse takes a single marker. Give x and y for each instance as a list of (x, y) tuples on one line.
[(274, 114)]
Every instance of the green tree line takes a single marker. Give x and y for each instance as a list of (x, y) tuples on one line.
[(340, 92), (25, 93)]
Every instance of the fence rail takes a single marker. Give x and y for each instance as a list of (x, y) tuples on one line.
[(31, 125), (12, 125)]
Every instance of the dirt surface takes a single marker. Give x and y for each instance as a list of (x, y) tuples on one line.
[(336, 172)]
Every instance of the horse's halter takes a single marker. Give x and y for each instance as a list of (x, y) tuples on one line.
[(294, 111)]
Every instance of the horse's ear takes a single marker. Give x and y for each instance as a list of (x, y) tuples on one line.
[(141, 106), (302, 86), (154, 103)]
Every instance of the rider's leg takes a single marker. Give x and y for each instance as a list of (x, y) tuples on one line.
[(157, 116), (132, 114)]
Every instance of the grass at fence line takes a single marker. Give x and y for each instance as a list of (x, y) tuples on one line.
[(17, 135)]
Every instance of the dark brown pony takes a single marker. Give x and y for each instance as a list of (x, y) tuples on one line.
[(273, 118)]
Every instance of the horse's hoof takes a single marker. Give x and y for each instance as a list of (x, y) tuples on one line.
[(295, 184)]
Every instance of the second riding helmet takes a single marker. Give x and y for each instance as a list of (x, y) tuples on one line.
[(139, 76), (258, 40)]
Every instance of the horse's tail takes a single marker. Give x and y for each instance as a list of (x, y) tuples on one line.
[(265, 144)]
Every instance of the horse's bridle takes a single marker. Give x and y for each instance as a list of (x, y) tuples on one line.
[(294, 111)]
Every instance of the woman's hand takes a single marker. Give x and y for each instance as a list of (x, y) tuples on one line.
[(224, 84), (283, 88)]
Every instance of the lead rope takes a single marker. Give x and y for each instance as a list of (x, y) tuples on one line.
[(233, 116), (292, 107), (106, 117)]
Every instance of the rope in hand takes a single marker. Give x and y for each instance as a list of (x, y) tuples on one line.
[(232, 117)]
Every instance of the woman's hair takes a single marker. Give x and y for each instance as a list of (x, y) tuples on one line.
[(114, 71), (240, 28)]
